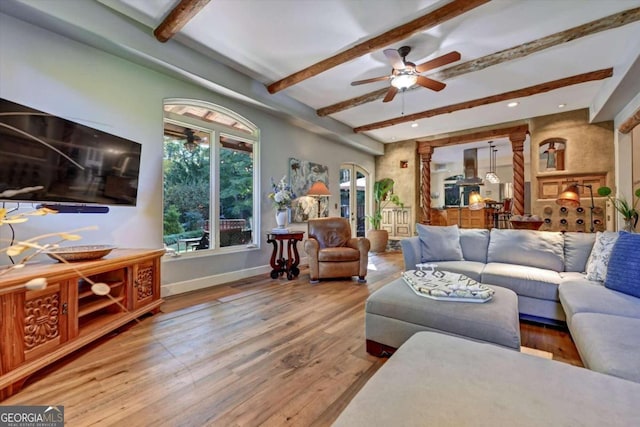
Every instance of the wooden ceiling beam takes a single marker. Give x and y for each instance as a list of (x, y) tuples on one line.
[(519, 93), (607, 23), (431, 19), (484, 135), (177, 18), (633, 121)]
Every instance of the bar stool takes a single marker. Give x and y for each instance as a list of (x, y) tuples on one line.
[(504, 214)]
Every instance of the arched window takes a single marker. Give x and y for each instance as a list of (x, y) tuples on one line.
[(210, 178)]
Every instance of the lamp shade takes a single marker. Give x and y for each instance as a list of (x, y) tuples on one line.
[(318, 189), (569, 197), (476, 202)]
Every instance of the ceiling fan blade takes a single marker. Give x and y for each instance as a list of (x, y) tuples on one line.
[(391, 93), (430, 83), (394, 58), (438, 62), (374, 79)]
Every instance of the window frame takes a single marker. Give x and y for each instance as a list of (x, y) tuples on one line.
[(216, 130)]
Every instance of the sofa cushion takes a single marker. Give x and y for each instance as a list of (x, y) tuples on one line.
[(470, 269), (542, 249), (523, 280), (439, 243), (593, 298), (608, 344), (623, 272), (577, 248), (474, 243), (599, 257)]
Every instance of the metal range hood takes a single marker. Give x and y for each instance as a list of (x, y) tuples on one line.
[(470, 161)]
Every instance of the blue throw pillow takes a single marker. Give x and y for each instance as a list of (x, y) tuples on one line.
[(623, 272)]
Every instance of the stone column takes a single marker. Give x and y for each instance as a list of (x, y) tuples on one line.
[(425, 150), (517, 145)]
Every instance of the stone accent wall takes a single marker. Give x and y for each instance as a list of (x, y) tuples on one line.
[(588, 159), (406, 179)]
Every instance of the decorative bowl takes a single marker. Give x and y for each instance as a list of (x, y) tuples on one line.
[(80, 253), (526, 225)]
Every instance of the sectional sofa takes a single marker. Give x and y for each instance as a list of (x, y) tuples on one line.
[(547, 272)]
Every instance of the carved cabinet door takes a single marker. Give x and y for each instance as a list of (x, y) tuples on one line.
[(146, 284), (42, 318)]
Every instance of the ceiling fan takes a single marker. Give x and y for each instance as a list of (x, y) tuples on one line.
[(405, 74)]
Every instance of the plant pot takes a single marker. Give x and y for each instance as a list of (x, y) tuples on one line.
[(378, 240)]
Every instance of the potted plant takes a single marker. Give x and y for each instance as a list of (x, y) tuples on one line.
[(382, 197), (628, 211)]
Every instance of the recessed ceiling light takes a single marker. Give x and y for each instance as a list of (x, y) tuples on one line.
[(393, 138), (414, 125), (562, 105), (513, 104)]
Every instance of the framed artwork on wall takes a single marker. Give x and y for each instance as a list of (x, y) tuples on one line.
[(302, 175)]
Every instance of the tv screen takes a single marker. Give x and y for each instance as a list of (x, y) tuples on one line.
[(48, 159)]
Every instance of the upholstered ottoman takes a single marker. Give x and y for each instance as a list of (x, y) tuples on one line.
[(439, 380), (394, 313)]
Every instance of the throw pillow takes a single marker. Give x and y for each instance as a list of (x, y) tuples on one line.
[(439, 243), (599, 258), (624, 265)]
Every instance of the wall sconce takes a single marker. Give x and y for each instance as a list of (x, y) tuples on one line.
[(404, 164), (570, 197)]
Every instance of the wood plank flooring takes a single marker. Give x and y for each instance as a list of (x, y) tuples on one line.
[(254, 352)]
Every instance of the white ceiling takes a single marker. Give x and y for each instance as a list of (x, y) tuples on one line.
[(267, 40)]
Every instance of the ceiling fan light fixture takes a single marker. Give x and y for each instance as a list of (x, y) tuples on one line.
[(404, 80)]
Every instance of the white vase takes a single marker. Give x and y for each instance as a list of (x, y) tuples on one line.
[(282, 216)]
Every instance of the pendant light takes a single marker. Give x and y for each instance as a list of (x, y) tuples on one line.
[(491, 176)]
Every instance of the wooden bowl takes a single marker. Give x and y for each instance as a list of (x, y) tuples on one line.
[(79, 253), (526, 225)]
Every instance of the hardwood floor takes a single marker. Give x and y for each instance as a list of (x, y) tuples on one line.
[(253, 352)]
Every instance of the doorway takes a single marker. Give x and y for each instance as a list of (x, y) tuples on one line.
[(353, 196)]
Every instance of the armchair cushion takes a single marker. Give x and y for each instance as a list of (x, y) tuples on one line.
[(338, 254)]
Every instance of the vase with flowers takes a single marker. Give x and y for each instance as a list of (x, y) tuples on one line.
[(629, 211), (282, 196)]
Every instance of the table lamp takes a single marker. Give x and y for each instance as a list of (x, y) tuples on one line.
[(476, 202), (317, 190)]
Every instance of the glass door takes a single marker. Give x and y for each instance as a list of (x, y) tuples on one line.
[(353, 196)]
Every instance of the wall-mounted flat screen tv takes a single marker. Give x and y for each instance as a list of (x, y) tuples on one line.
[(48, 159)]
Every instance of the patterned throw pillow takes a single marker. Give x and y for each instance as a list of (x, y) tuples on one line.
[(599, 258), (624, 265)]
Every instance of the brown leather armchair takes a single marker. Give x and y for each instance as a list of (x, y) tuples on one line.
[(332, 252)]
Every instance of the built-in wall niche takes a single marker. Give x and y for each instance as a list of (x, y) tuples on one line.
[(551, 154), (550, 187)]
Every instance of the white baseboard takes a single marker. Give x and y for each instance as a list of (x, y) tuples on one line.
[(176, 288)]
